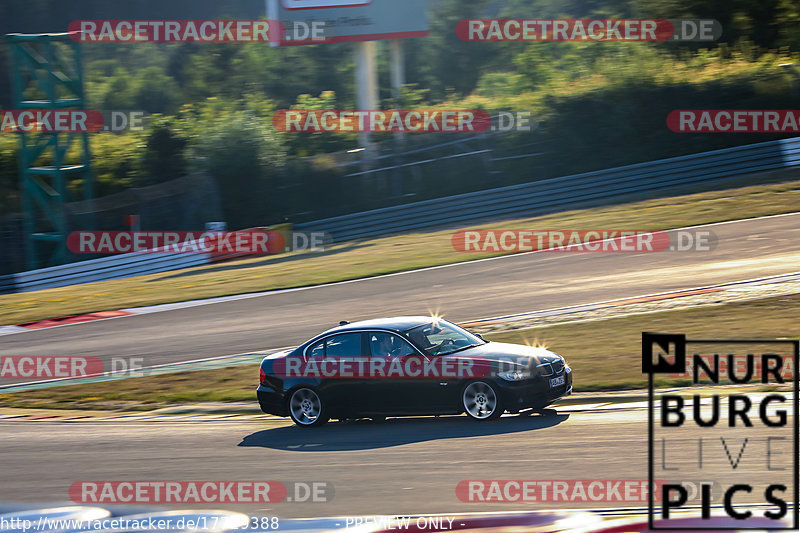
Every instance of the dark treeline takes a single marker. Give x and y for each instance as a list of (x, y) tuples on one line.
[(597, 104)]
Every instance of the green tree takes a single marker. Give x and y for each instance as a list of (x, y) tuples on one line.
[(238, 147), (445, 63), (155, 92), (117, 93), (164, 158)]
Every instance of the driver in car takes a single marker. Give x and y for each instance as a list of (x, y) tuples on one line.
[(422, 338), (386, 346), (419, 337)]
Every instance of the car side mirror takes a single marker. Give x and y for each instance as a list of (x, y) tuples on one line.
[(480, 337)]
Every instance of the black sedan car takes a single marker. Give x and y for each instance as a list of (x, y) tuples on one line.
[(408, 366)]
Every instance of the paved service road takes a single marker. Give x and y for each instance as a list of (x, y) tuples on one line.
[(466, 291), (400, 467)]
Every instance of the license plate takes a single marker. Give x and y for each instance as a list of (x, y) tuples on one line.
[(555, 382)]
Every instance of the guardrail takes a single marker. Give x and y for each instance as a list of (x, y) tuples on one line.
[(574, 191), (116, 267), (105, 268), (528, 199)]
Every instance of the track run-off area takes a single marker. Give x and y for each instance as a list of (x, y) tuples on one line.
[(410, 465), (461, 292)]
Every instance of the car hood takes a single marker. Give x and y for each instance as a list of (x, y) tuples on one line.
[(506, 353)]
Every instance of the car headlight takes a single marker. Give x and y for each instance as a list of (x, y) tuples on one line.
[(515, 375)]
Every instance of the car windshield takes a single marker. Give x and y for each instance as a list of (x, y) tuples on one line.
[(440, 337)]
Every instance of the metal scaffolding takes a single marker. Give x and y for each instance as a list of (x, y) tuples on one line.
[(47, 75)]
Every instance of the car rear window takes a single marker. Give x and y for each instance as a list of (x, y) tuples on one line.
[(344, 345)]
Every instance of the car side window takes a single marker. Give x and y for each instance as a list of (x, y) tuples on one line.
[(344, 345), (318, 350), (388, 345)]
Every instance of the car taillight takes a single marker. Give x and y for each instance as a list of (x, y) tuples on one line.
[(262, 375)]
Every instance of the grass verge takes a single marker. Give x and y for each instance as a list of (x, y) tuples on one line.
[(385, 255), (604, 354)]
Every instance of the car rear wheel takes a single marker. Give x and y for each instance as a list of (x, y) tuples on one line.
[(306, 408), (481, 401)]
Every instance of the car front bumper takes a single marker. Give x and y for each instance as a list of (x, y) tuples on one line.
[(537, 393)]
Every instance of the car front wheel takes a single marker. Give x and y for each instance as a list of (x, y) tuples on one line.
[(481, 401), (306, 408)]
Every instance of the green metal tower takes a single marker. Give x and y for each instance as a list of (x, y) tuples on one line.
[(46, 73)]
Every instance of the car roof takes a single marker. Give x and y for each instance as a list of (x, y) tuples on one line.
[(397, 324)]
